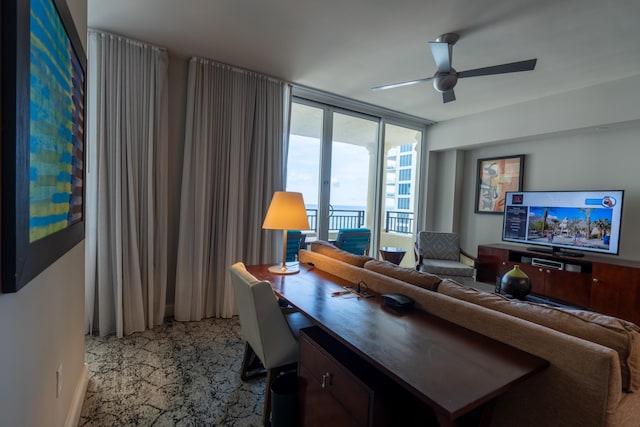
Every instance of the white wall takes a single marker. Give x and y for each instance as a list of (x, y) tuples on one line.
[(598, 160), (41, 328), (599, 105), (582, 140), (443, 166)]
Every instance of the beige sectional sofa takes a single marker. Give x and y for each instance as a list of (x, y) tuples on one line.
[(594, 373)]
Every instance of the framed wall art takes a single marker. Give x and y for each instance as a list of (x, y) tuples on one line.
[(495, 176), (43, 142)]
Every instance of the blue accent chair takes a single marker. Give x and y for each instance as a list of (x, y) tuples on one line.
[(354, 240), (295, 241)]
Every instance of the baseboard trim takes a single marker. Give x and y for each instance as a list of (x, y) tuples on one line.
[(73, 416)]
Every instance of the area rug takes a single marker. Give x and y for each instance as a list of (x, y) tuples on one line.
[(178, 374)]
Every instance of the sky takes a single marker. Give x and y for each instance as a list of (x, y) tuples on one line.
[(350, 171)]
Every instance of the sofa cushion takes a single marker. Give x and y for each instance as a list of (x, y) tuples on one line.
[(326, 248), (444, 267), (617, 334), (409, 275)]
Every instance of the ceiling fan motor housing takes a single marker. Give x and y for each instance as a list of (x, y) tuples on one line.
[(443, 82)]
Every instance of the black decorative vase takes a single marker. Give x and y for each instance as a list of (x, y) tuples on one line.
[(515, 283)]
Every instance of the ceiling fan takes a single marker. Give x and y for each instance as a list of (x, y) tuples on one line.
[(446, 77)]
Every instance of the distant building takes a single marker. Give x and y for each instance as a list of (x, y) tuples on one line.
[(400, 174)]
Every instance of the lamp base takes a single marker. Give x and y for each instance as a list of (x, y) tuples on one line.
[(290, 268)]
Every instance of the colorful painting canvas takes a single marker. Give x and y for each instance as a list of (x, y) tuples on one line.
[(496, 176), (43, 143), (56, 140)]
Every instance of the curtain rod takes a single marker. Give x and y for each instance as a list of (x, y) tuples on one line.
[(128, 39), (238, 69)]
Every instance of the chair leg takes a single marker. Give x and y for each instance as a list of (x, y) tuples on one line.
[(266, 412), (251, 365)]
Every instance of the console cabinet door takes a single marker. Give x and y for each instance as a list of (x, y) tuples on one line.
[(616, 291), (318, 407), (491, 263), (572, 287), (330, 395), (537, 276)]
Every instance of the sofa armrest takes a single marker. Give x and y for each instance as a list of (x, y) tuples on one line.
[(417, 255), (467, 258)]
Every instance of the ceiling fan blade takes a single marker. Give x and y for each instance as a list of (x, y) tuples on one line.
[(395, 85), (448, 96), (442, 55), (512, 67)]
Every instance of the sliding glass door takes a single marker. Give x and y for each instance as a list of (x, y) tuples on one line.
[(304, 158), (400, 183), (352, 175), (332, 162)]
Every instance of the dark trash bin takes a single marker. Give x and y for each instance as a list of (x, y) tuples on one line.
[(284, 400)]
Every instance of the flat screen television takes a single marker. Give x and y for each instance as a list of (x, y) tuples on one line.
[(564, 222)]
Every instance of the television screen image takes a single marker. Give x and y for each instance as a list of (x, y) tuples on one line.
[(564, 220)]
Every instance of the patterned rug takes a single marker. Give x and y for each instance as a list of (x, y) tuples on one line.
[(178, 374)]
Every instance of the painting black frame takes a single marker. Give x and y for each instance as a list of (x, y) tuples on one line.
[(22, 260), (519, 158)]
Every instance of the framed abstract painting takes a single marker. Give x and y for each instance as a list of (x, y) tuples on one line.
[(495, 176), (43, 141)]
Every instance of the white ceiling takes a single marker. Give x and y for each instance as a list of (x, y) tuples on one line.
[(345, 47)]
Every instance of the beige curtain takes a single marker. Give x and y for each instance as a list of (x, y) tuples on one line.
[(233, 162), (126, 243)]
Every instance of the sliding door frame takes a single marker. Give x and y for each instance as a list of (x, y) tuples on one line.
[(331, 104)]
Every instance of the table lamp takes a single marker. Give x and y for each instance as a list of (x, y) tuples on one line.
[(286, 212)]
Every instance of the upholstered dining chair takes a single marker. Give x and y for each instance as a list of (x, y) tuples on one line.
[(271, 334), (354, 240), (440, 254)]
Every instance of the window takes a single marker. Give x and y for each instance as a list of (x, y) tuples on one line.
[(403, 203), (401, 148), (332, 170), (349, 160), (405, 160)]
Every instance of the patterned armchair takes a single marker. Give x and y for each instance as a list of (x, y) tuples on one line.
[(439, 253)]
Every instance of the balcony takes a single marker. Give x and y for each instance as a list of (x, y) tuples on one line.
[(397, 231), (398, 222), (338, 218), (395, 221)]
